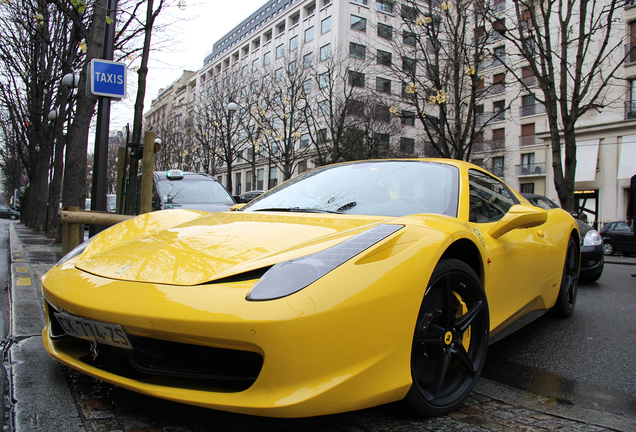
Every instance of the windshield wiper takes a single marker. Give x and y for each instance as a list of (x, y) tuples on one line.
[(297, 209)]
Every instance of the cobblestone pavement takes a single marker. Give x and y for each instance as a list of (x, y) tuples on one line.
[(102, 407)]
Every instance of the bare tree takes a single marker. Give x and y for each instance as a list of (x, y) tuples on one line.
[(569, 49), (436, 57)]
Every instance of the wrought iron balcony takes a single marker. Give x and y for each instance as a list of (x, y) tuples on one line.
[(528, 140)]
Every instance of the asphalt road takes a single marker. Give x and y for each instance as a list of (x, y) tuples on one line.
[(588, 358)]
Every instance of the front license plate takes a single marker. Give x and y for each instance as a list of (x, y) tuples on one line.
[(110, 334)]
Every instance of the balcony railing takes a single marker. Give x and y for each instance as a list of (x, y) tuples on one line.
[(532, 169), (528, 140), (630, 110), (529, 110), (491, 145)]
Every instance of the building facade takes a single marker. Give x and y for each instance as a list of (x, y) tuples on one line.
[(354, 40)]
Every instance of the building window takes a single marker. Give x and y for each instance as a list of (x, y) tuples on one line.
[(280, 51), (308, 60), (278, 74), (499, 110), (354, 107), (304, 141), (357, 51), (254, 86), (273, 177), (498, 139), (293, 67), (323, 80), (407, 145), (255, 65), (325, 52), (528, 136), (408, 118), (408, 65), (384, 6), (295, 19), (362, 2), (311, 9), (383, 141), (266, 81), (325, 25), (356, 79), (309, 34), (381, 113), (302, 166), (409, 13), (293, 43), (307, 86), (326, 2), (321, 136), (384, 58), (237, 183), (248, 181), (268, 36), (498, 166), (408, 38), (244, 71), (260, 173), (499, 55), (280, 28), (527, 163), (385, 31), (267, 58), (529, 106), (383, 85), (527, 188), (358, 23), (323, 108)]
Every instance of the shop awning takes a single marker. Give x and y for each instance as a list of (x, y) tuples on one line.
[(627, 158)]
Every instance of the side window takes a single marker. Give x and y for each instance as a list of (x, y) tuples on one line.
[(490, 199)]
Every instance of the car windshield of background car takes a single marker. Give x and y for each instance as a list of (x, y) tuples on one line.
[(386, 188), (192, 191)]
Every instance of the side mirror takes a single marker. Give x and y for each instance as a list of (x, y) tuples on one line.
[(519, 216)]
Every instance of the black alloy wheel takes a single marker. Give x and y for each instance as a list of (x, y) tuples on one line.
[(450, 340), (569, 281), (608, 247)]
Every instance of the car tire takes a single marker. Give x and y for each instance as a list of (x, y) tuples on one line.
[(450, 340), (12, 217), (568, 290), (608, 247)]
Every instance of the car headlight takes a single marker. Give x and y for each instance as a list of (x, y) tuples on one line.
[(75, 252), (592, 238), (292, 276)]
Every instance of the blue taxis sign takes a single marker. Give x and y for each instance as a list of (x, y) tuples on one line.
[(107, 78)]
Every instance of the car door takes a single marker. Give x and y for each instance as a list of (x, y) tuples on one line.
[(624, 237), (516, 263)]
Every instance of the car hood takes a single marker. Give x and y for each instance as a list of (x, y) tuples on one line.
[(208, 207), (187, 247)]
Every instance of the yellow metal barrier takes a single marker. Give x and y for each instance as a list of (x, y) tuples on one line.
[(72, 219)]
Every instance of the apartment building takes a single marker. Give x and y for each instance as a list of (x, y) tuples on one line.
[(516, 143)]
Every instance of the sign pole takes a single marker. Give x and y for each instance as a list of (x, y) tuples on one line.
[(100, 157)]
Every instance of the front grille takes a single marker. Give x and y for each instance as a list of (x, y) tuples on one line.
[(227, 369)]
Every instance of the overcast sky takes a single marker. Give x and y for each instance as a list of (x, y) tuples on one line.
[(189, 36)]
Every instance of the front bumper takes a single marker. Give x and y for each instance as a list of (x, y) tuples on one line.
[(592, 261), (329, 348)]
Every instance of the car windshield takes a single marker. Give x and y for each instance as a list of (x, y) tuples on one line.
[(192, 190), (380, 188)]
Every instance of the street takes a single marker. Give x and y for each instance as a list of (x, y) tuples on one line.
[(554, 374)]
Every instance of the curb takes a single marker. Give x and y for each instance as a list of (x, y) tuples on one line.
[(29, 367)]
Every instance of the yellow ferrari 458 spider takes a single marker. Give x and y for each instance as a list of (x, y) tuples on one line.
[(348, 286)]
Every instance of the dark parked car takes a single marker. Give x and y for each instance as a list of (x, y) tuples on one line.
[(592, 248), (246, 197), (188, 190), (8, 213), (618, 237)]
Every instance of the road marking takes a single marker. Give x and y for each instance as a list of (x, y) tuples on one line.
[(24, 281)]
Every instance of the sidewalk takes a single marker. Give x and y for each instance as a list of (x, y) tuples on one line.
[(43, 401)]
